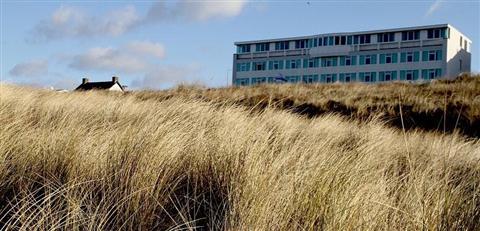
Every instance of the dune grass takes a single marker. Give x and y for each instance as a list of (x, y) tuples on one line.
[(97, 160), (443, 106)]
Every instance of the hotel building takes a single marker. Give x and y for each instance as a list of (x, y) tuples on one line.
[(418, 53)]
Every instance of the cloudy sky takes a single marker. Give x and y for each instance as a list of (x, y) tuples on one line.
[(158, 44)]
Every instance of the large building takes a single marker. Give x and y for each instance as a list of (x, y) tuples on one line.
[(411, 54)]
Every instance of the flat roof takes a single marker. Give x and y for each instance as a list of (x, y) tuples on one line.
[(346, 33)]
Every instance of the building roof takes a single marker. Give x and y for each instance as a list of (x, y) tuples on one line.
[(344, 33), (97, 86)]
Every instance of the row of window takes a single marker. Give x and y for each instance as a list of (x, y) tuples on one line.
[(382, 76), (414, 56), (345, 40)]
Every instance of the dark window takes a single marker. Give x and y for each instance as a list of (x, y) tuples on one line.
[(364, 39), (388, 59), (388, 76), (244, 48), (368, 59), (367, 78), (299, 44), (410, 35), (337, 40), (262, 47), (409, 76), (410, 57), (320, 41), (386, 37), (348, 61), (283, 45), (347, 78)]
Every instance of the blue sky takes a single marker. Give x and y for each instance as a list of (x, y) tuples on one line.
[(152, 44)]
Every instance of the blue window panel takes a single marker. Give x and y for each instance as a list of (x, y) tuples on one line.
[(394, 75), (354, 60), (416, 56), (362, 60), (342, 60), (374, 59), (241, 81), (394, 58), (403, 57), (349, 40), (439, 54), (425, 56), (382, 58), (259, 80), (320, 41), (402, 75), (330, 41), (438, 72)]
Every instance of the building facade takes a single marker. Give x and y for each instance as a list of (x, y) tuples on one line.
[(404, 54)]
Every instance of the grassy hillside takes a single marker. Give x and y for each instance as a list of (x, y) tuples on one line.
[(441, 106), (93, 161)]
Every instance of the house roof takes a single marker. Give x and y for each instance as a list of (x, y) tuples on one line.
[(97, 86)]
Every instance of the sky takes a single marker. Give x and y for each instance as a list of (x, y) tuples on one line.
[(160, 44)]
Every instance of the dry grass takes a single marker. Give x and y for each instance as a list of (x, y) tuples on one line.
[(96, 161), (439, 106)]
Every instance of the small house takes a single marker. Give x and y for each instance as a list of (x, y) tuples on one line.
[(113, 85)]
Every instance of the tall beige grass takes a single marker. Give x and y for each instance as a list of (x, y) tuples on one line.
[(96, 161)]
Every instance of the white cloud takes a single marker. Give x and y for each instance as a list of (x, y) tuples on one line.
[(108, 59), (32, 68), (205, 10), (433, 8), (146, 47), (133, 57), (68, 21), (73, 22)]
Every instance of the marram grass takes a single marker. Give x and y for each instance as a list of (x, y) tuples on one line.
[(98, 161)]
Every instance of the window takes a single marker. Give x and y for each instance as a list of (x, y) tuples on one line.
[(409, 75), (329, 61), (330, 41), (283, 45), (259, 66), (259, 80), (310, 78), (276, 65), (368, 77), (325, 41), (311, 63), (348, 77), (388, 76), (432, 56), (466, 45), (300, 44), (293, 64), (262, 47), (410, 35), (368, 59), (461, 40), (340, 40), (388, 58), (349, 40), (241, 82), (243, 48), (320, 41), (328, 79), (363, 39), (409, 57), (431, 74), (434, 33), (243, 67), (348, 61), (386, 37)]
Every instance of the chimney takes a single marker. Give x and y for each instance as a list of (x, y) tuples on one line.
[(115, 79), (84, 80)]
